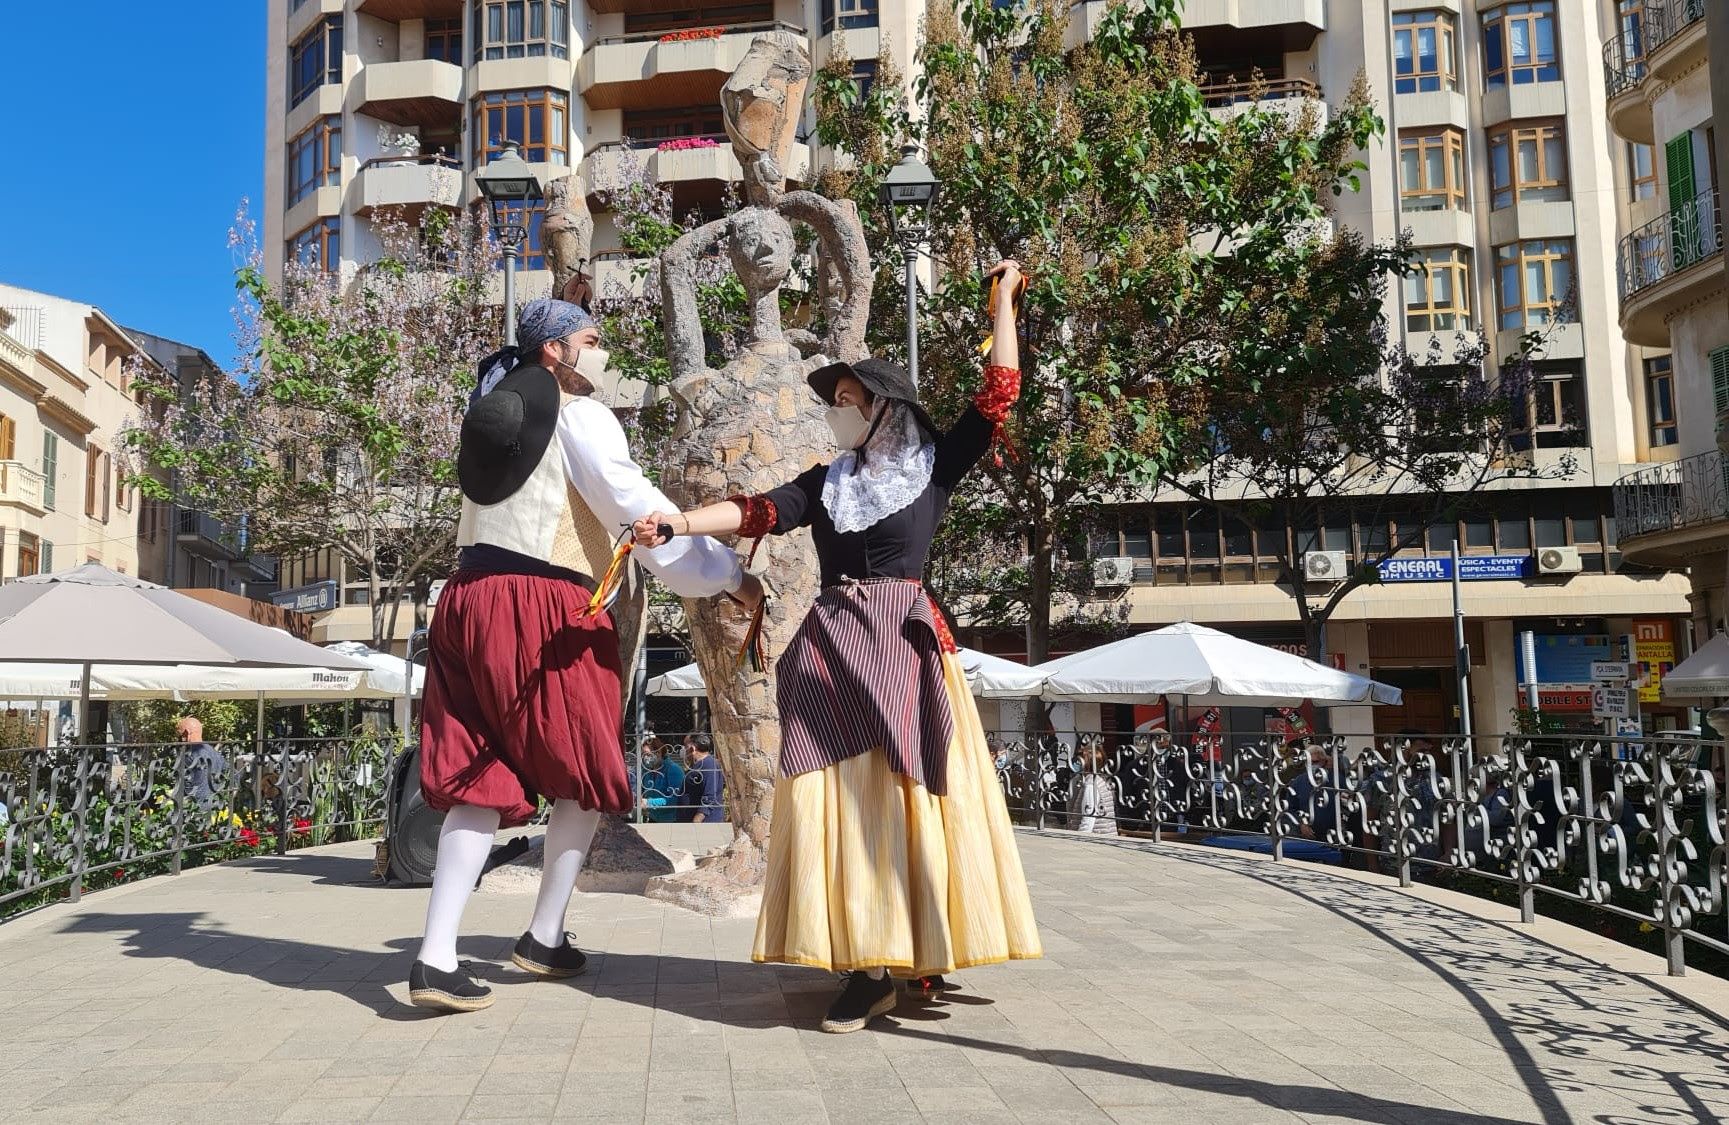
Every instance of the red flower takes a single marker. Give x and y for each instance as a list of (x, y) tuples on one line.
[(248, 838), (302, 826), (690, 33), (119, 874)]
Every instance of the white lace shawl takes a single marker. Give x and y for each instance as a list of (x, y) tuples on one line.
[(899, 460)]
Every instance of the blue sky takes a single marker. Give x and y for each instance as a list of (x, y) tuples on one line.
[(149, 117)]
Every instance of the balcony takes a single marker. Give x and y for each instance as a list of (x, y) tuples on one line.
[(409, 185), (1674, 37), (208, 537), (661, 70), (398, 10), (1624, 70), (1664, 512), (695, 167), (1292, 95), (22, 487), (424, 92), (1666, 264), (1298, 20)]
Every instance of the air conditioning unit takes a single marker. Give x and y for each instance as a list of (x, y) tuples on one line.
[(1558, 560), (1114, 570), (1324, 566)]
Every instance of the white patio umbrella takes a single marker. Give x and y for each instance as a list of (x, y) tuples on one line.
[(93, 616), (1703, 675), (991, 677), (1205, 667)]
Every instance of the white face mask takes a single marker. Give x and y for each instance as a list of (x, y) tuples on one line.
[(850, 425)]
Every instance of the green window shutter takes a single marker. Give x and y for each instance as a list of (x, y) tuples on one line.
[(46, 566), (1678, 155), (1720, 379), (50, 467)]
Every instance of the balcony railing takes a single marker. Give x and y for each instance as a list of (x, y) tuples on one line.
[(1624, 60), (1670, 243), (695, 34), (1270, 90), (1664, 22), (21, 485), (1671, 496), (205, 534)]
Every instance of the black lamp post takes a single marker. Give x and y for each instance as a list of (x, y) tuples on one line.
[(907, 193), (512, 191)]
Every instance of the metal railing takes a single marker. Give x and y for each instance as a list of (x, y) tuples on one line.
[(723, 29), (1676, 494), (79, 818), (430, 159), (664, 785), (1269, 90), (1624, 60), (1670, 243), (20, 484), (1631, 828), (1664, 22)]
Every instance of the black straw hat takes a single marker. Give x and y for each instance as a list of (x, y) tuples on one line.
[(880, 378), (505, 434)]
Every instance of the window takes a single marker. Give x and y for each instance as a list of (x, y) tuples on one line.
[(535, 119), (50, 468), (1423, 52), (319, 245), (315, 159), (1526, 163), (8, 439), (1641, 170), (1660, 399), (1534, 282), (864, 76), (122, 492), (516, 29), (1557, 411), (29, 555), (1519, 42), (444, 41), (1513, 532), (1438, 297), (842, 14), (1432, 170), (315, 60), (97, 483), (664, 124), (1720, 380)]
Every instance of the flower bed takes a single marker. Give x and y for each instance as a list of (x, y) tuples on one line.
[(688, 34), (680, 144)]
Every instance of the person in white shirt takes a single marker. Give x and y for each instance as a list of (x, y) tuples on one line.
[(522, 684)]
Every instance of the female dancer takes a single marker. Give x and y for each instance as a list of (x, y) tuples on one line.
[(891, 848)]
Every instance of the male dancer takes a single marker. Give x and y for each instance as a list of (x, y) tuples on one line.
[(522, 688)]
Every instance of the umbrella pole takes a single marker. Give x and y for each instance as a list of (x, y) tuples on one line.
[(84, 707)]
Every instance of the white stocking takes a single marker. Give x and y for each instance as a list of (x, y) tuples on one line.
[(463, 845), (568, 834)]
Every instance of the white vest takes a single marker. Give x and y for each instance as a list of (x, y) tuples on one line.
[(545, 519)]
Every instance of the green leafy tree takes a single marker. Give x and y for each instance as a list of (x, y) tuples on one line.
[(1146, 221), (337, 432)]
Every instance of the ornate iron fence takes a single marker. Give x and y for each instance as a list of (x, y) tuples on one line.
[(75, 818), (1669, 244), (1664, 21), (1676, 494), (1634, 828), (1624, 60)]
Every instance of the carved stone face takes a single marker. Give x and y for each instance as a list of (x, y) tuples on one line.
[(760, 243)]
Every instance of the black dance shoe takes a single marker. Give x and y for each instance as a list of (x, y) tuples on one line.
[(446, 992), (860, 1001), (549, 962)]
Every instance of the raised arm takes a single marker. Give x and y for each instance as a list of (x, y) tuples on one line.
[(678, 298), (980, 424)]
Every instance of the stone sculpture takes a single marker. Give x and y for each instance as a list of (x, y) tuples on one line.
[(751, 426)]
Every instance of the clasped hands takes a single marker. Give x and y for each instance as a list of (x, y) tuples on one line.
[(647, 532)]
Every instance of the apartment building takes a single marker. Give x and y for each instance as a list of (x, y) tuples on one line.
[(1666, 87), (1495, 162)]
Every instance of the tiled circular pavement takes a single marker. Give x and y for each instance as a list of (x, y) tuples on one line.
[(1180, 985)]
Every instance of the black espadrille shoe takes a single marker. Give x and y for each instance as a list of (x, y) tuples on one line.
[(446, 992), (550, 962), (860, 1001)]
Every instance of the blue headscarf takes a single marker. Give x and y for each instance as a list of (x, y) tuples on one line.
[(542, 319)]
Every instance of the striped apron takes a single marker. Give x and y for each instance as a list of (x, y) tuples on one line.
[(864, 672)]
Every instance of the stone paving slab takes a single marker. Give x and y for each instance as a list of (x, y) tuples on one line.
[(1180, 985)]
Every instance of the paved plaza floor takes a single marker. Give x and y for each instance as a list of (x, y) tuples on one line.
[(1180, 985)]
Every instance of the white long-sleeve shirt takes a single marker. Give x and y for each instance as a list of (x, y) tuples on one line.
[(598, 462)]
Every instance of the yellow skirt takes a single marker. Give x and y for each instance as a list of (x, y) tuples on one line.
[(867, 868)]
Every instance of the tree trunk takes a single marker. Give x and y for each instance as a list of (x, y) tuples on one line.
[(1041, 572)]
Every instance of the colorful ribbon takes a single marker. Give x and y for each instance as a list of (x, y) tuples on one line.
[(606, 592), (753, 653)]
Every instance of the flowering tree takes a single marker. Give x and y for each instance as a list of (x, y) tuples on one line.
[(337, 430)]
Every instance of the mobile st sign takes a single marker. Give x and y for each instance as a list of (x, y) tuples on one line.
[(1472, 568)]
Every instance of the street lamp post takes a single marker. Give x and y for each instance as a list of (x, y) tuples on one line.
[(512, 191), (907, 193)]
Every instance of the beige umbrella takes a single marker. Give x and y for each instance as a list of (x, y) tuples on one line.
[(93, 615)]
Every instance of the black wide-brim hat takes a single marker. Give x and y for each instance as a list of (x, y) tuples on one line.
[(505, 434), (880, 378)]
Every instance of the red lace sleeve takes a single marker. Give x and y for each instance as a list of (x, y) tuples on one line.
[(760, 515), (1001, 388)]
